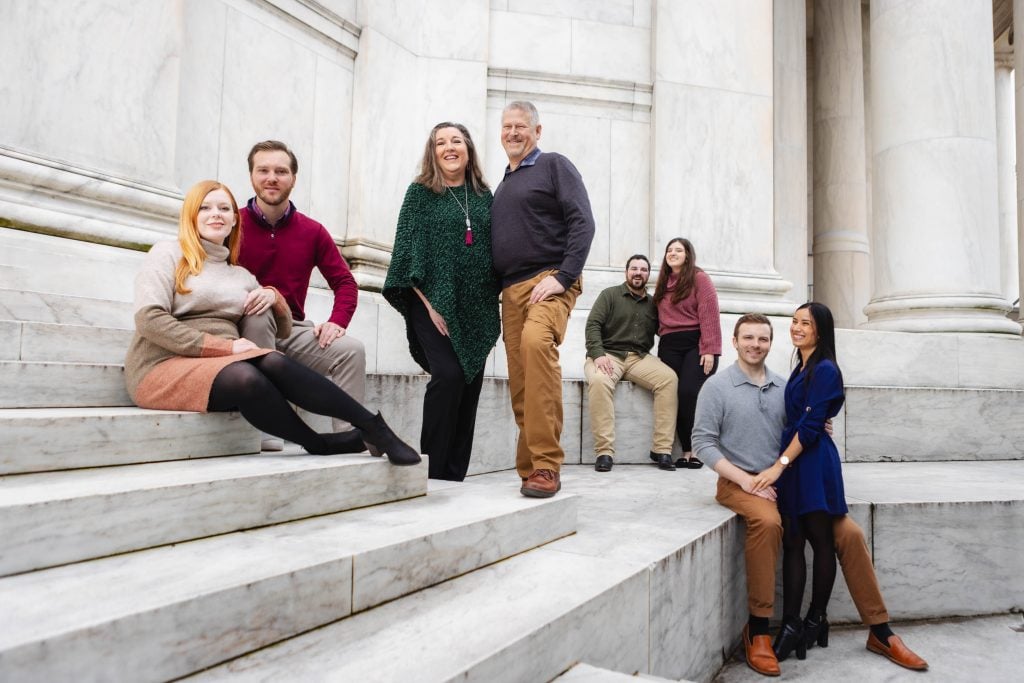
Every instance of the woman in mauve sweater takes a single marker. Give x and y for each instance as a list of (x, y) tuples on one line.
[(690, 333), (187, 355)]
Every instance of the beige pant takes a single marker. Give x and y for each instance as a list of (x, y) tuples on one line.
[(344, 361), (647, 372)]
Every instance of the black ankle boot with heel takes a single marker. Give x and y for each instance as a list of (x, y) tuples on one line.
[(379, 436), (816, 629), (790, 637)]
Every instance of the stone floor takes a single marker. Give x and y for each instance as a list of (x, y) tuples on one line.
[(979, 650)]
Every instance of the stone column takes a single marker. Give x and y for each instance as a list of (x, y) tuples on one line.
[(841, 260), (1006, 158), (790, 145), (1018, 63), (935, 242)]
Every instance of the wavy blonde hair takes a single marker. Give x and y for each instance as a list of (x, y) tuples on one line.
[(193, 256)]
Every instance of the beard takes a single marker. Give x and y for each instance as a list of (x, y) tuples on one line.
[(281, 199)]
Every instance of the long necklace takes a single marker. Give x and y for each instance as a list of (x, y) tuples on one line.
[(465, 211)]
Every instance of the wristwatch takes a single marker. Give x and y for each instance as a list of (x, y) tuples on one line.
[(785, 461)]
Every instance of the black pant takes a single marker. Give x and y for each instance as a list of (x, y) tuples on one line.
[(449, 405), (680, 351)]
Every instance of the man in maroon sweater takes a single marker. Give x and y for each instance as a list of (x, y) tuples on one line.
[(281, 246)]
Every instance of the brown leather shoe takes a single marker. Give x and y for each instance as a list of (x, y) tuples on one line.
[(542, 484), (897, 652), (760, 657)]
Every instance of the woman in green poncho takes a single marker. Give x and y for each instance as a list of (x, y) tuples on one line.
[(442, 281)]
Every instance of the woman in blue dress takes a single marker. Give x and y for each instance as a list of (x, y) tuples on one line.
[(810, 479)]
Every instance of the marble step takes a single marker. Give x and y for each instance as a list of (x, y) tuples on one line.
[(56, 342), (19, 304), (167, 612), (61, 385), (528, 618), (44, 439), (53, 518), (585, 673)]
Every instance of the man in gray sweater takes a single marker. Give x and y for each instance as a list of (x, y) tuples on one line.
[(739, 421)]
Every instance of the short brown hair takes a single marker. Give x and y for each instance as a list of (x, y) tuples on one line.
[(754, 319), (273, 146)]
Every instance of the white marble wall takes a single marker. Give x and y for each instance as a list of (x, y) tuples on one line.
[(1007, 172)]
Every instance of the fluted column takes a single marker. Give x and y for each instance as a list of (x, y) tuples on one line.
[(841, 259), (1018, 63), (935, 241), (1005, 156)]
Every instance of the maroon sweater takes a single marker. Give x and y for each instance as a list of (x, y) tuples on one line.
[(283, 256), (698, 311)]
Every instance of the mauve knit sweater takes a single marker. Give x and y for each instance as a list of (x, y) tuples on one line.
[(699, 310)]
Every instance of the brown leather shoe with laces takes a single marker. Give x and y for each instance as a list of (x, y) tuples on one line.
[(896, 652), (542, 484)]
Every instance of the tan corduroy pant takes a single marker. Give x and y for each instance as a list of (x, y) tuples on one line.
[(532, 334)]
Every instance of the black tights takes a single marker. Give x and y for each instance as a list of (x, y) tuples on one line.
[(816, 528), (261, 388)]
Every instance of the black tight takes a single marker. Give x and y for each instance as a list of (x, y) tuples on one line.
[(261, 388), (816, 528)]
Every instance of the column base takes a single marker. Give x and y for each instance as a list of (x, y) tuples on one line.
[(974, 313)]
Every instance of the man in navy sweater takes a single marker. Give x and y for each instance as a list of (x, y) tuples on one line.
[(541, 230)]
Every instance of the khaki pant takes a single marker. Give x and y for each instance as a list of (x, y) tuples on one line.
[(344, 361), (644, 371), (764, 534), (532, 334)]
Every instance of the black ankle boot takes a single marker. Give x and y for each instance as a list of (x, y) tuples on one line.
[(377, 434), (342, 442), (790, 637), (816, 630)]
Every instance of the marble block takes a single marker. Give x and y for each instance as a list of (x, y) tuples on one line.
[(10, 340), (530, 42), (44, 439), (618, 12), (99, 274), (42, 385), (926, 424), (634, 424), (947, 537), (64, 309), (167, 612), (74, 343), (567, 608), (56, 517), (611, 51)]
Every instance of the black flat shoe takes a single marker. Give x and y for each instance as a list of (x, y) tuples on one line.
[(603, 463), (790, 637), (692, 464), (664, 461)]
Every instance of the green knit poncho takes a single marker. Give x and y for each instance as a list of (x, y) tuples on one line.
[(458, 280)]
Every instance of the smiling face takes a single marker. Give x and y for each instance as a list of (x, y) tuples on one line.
[(518, 136), (752, 342), (452, 154), (803, 332), (272, 177), (216, 217), (637, 275), (675, 256)]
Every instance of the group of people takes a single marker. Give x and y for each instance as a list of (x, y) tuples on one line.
[(220, 325)]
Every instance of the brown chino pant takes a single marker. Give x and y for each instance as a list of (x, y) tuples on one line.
[(764, 535), (532, 334)]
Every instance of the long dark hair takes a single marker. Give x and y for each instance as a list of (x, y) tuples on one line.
[(430, 172), (687, 274), (825, 329)]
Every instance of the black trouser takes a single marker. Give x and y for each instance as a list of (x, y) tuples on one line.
[(449, 405), (261, 389), (680, 351)]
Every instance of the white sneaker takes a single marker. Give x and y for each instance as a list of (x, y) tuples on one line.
[(271, 443)]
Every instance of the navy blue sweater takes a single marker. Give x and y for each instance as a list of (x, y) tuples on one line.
[(541, 219)]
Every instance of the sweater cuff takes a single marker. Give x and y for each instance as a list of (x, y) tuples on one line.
[(282, 315), (565, 280), (215, 346)]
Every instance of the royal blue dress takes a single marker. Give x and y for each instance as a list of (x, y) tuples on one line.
[(814, 481)]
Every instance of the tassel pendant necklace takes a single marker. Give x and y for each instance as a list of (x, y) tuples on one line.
[(465, 211)]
